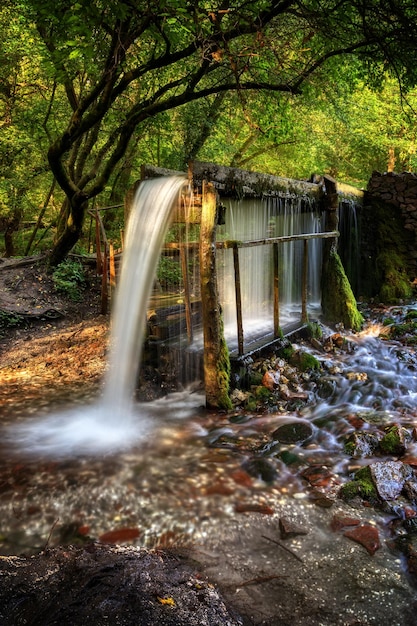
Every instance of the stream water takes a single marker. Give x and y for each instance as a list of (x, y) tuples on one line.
[(174, 474)]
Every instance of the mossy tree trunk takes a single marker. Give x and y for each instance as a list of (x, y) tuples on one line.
[(337, 301), (216, 356)]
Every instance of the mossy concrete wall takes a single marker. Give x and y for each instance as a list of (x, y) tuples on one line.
[(399, 191)]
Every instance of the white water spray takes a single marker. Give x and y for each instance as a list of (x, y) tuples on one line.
[(115, 422)]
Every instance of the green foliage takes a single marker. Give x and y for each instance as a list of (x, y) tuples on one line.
[(9, 320), (69, 279), (169, 272)]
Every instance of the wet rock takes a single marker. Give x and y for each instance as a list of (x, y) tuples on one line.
[(361, 445), (294, 432), (108, 585), (261, 468), (270, 380), (238, 396), (319, 477), (366, 535), (289, 529), (394, 441), (389, 478), (340, 521), (410, 490)]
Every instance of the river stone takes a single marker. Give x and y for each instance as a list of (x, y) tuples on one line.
[(261, 468), (389, 478), (99, 585), (360, 444), (293, 432)]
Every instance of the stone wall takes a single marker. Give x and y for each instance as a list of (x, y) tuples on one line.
[(400, 191)]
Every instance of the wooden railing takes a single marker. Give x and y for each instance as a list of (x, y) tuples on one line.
[(274, 241), (234, 245)]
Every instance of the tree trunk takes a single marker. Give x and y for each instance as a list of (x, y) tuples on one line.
[(71, 232)]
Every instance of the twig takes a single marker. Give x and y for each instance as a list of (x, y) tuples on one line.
[(50, 533), (259, 580), (284, 548)]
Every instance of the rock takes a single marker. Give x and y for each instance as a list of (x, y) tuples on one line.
[(389, 478), (340, 521), (108, 585), (362, 445), (261, 468), (366, 535), (270, 379), (289, 529), (294, 432), (393, 442)]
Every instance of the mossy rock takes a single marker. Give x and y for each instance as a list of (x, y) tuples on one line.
[(286, 352), (362, 485), (304, 361), (361, 445), (338, 300), (393, 442)]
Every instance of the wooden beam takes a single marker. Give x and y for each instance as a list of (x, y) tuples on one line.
[(304, 285), (187, 299), (216, 357), (238, 296), (277, 329)]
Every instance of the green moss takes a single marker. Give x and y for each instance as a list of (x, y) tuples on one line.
[(287, 352), (396, 284), (411, 315), (386, 272), (255, 379), (308, 362), (362, 485), (338, 300), (388, 321), (408, 328), (223, 377), (262, 393), (251, 404), (392, 442), (314, 330)]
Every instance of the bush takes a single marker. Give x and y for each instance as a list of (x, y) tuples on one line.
[(69, 279)]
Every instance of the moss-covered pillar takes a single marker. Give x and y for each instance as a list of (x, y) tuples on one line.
[(338, 302), (216, 355)]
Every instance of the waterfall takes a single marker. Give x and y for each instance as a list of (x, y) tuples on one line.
[(348, 246), (147, 227), (114, 422), (257, 219)]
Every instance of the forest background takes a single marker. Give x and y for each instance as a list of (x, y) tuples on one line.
[(91, 90)]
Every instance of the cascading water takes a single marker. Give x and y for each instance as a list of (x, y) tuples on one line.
[(348, 244), (114, 422), (258, 219)]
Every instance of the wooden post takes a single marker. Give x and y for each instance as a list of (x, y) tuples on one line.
[(277, 329), (304, 316), (187, 299), (238, 296), (98, 245), (104, 284), (112, 267), (216, 357)]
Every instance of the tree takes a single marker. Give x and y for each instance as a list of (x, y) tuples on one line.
[(121, 63)]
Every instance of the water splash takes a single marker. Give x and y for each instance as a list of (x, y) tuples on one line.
[(114, 422)]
